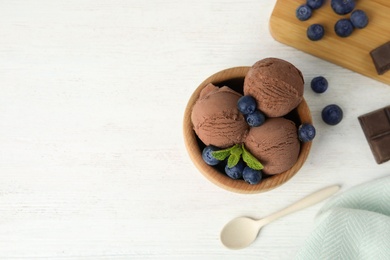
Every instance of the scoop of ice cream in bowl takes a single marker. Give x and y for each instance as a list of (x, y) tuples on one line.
[(242, 126)]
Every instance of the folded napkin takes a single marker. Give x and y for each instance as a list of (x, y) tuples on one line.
[(354, 225)]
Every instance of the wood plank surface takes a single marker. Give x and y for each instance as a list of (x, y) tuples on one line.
[(352, 52)]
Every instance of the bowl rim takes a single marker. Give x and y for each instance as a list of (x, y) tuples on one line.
[(215, 176)]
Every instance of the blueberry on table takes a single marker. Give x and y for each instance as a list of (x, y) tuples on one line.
[(256, 118), (342, 7), (246, 104), (359, 19), (236, 171), (251, 176), (332, 114), (315, 4), (208, 157), (319, 84), (303, 12), (315, 32), (306, 132), (343, 27)]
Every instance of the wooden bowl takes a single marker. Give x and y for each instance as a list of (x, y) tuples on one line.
[(234, 78)]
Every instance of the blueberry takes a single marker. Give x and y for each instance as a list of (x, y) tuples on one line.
[(315, 32), (342, 6), (246, 104), (236, 171), (208, 157), (343, 27), (251, 176), (255, 119), (319, 84), (303, 12), (306, 132), (359, 19), (315, 4), (332, 114)]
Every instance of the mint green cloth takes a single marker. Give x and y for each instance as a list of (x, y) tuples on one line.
[(353, 225)]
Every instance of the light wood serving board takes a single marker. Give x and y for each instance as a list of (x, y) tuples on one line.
[(352, 52)]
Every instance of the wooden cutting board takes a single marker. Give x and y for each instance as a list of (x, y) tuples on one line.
[(352, 52)]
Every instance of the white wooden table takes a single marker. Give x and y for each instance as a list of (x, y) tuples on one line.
[(92, 160)]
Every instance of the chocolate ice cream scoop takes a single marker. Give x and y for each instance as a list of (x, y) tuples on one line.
[(275, 144), (216, 119), (277, 85)]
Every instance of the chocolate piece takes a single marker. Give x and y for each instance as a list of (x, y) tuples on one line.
[(376, 128), (381, 58)]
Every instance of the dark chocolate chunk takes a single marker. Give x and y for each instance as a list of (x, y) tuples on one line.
[(376, 128), (381, 58)]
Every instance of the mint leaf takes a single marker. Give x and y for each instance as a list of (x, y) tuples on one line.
[(235, 155), (233, 160), (221, 154), (236, 150), (250, 160)]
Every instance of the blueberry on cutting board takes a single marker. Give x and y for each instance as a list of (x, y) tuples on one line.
[(343, 27), (315, 32), (315, 4), (303, 12), (359, 19), (342, 7)]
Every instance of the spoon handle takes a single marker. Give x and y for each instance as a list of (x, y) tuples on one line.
[(308, 201)]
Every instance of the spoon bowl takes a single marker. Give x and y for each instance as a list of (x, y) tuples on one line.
[(239, 232), (242, 231)]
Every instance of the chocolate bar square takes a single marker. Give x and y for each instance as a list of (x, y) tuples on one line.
[(376, 128), (381, 58)]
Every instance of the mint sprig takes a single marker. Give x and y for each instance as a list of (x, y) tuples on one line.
[(234, 155)]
